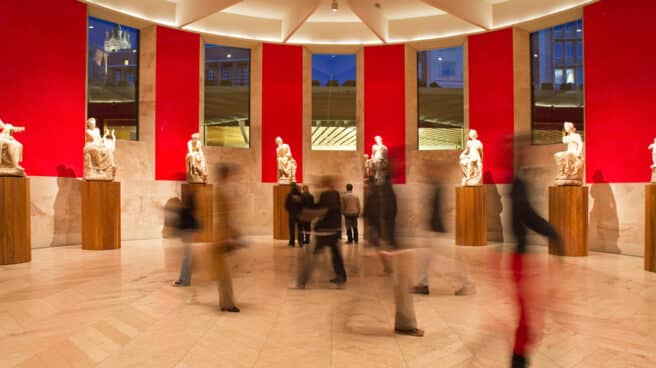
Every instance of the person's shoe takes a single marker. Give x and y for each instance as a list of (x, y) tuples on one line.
[(410, 332), (337, 280), (291, 245), (518, 361), (421, 289), (179, 284), (349, 242), (231, 309)]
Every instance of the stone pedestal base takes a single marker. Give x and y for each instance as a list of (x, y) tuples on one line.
[(101, 215), (650, 227), (471, 216), (568, 213), (204, 202), (280, 216), (15, 236)]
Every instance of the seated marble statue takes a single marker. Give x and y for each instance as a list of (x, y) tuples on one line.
[(652, 147), (379, 161), (471, 161), (11, 151), (570, 161), (196, 164), (99, 153), (286, 163)]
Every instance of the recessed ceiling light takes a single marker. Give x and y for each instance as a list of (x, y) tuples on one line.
[(334, 6)]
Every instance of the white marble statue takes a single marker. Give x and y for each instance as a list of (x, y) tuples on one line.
[(196, 164), (286, 163), (379, 161), (652, 147), (11, 151), (99, 153), (570, 162), (471, 161)]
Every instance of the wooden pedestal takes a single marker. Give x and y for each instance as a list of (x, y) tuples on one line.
[(204, 201), (650, 227), (101, 215), (471, 216), (280, 216), (15, 238), (568, 213)]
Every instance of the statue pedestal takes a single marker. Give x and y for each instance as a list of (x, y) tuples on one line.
[(280, 216), (101, 215), (204, 201), (15, 235), (471, 216), (568, 213), (650, 227)]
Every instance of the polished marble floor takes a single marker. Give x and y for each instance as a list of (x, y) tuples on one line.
[(74, 308)]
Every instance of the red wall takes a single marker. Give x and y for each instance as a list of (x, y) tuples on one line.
[(384, 103), (620, 90), (282, 106), (491, 101), (177, 100), (42, 82)]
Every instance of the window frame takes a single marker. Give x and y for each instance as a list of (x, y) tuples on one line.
[(137, 75), (218, 77)]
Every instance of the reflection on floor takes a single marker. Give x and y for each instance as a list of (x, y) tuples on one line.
[(70, 308)]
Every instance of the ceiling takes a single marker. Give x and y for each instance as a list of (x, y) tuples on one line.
[(354, 22)]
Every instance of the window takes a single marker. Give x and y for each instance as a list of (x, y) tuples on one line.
[(441, 106), (113, 77), (333, 102), (227, 101), (556, 81)]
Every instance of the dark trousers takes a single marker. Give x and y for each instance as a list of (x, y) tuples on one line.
[(294, 224), (306, 232), (351, 228), (338, 262)]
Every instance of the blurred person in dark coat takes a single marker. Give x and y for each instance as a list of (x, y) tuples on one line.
[(188, 226), (308, 202), (294, 205)]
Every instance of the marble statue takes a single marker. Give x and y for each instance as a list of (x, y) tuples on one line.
[(286, 163), (570, 162), (652, 147), (471, 161), (99, 153), (367, 168), (11, 151), (379, 161), (196, 164)]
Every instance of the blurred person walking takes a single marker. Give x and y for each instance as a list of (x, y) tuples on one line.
[(351, 210), (528, 303), (308, 202), (188, 226), (226, 239), (425, 254), (294, 205)]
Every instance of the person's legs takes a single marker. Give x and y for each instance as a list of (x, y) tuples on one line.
[(292, 228), (354, 225), (185, 268), (424, 257), (349, 230), (306, 232), (405, 321), (522, 332), (226, 297), (338, 261), (299, 227)]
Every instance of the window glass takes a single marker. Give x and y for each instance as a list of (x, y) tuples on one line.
[(440, 103), (112, 82), (557, 81), (333, 102), (227, 96)]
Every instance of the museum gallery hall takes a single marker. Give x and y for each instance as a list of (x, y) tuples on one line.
[(327, 183)]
